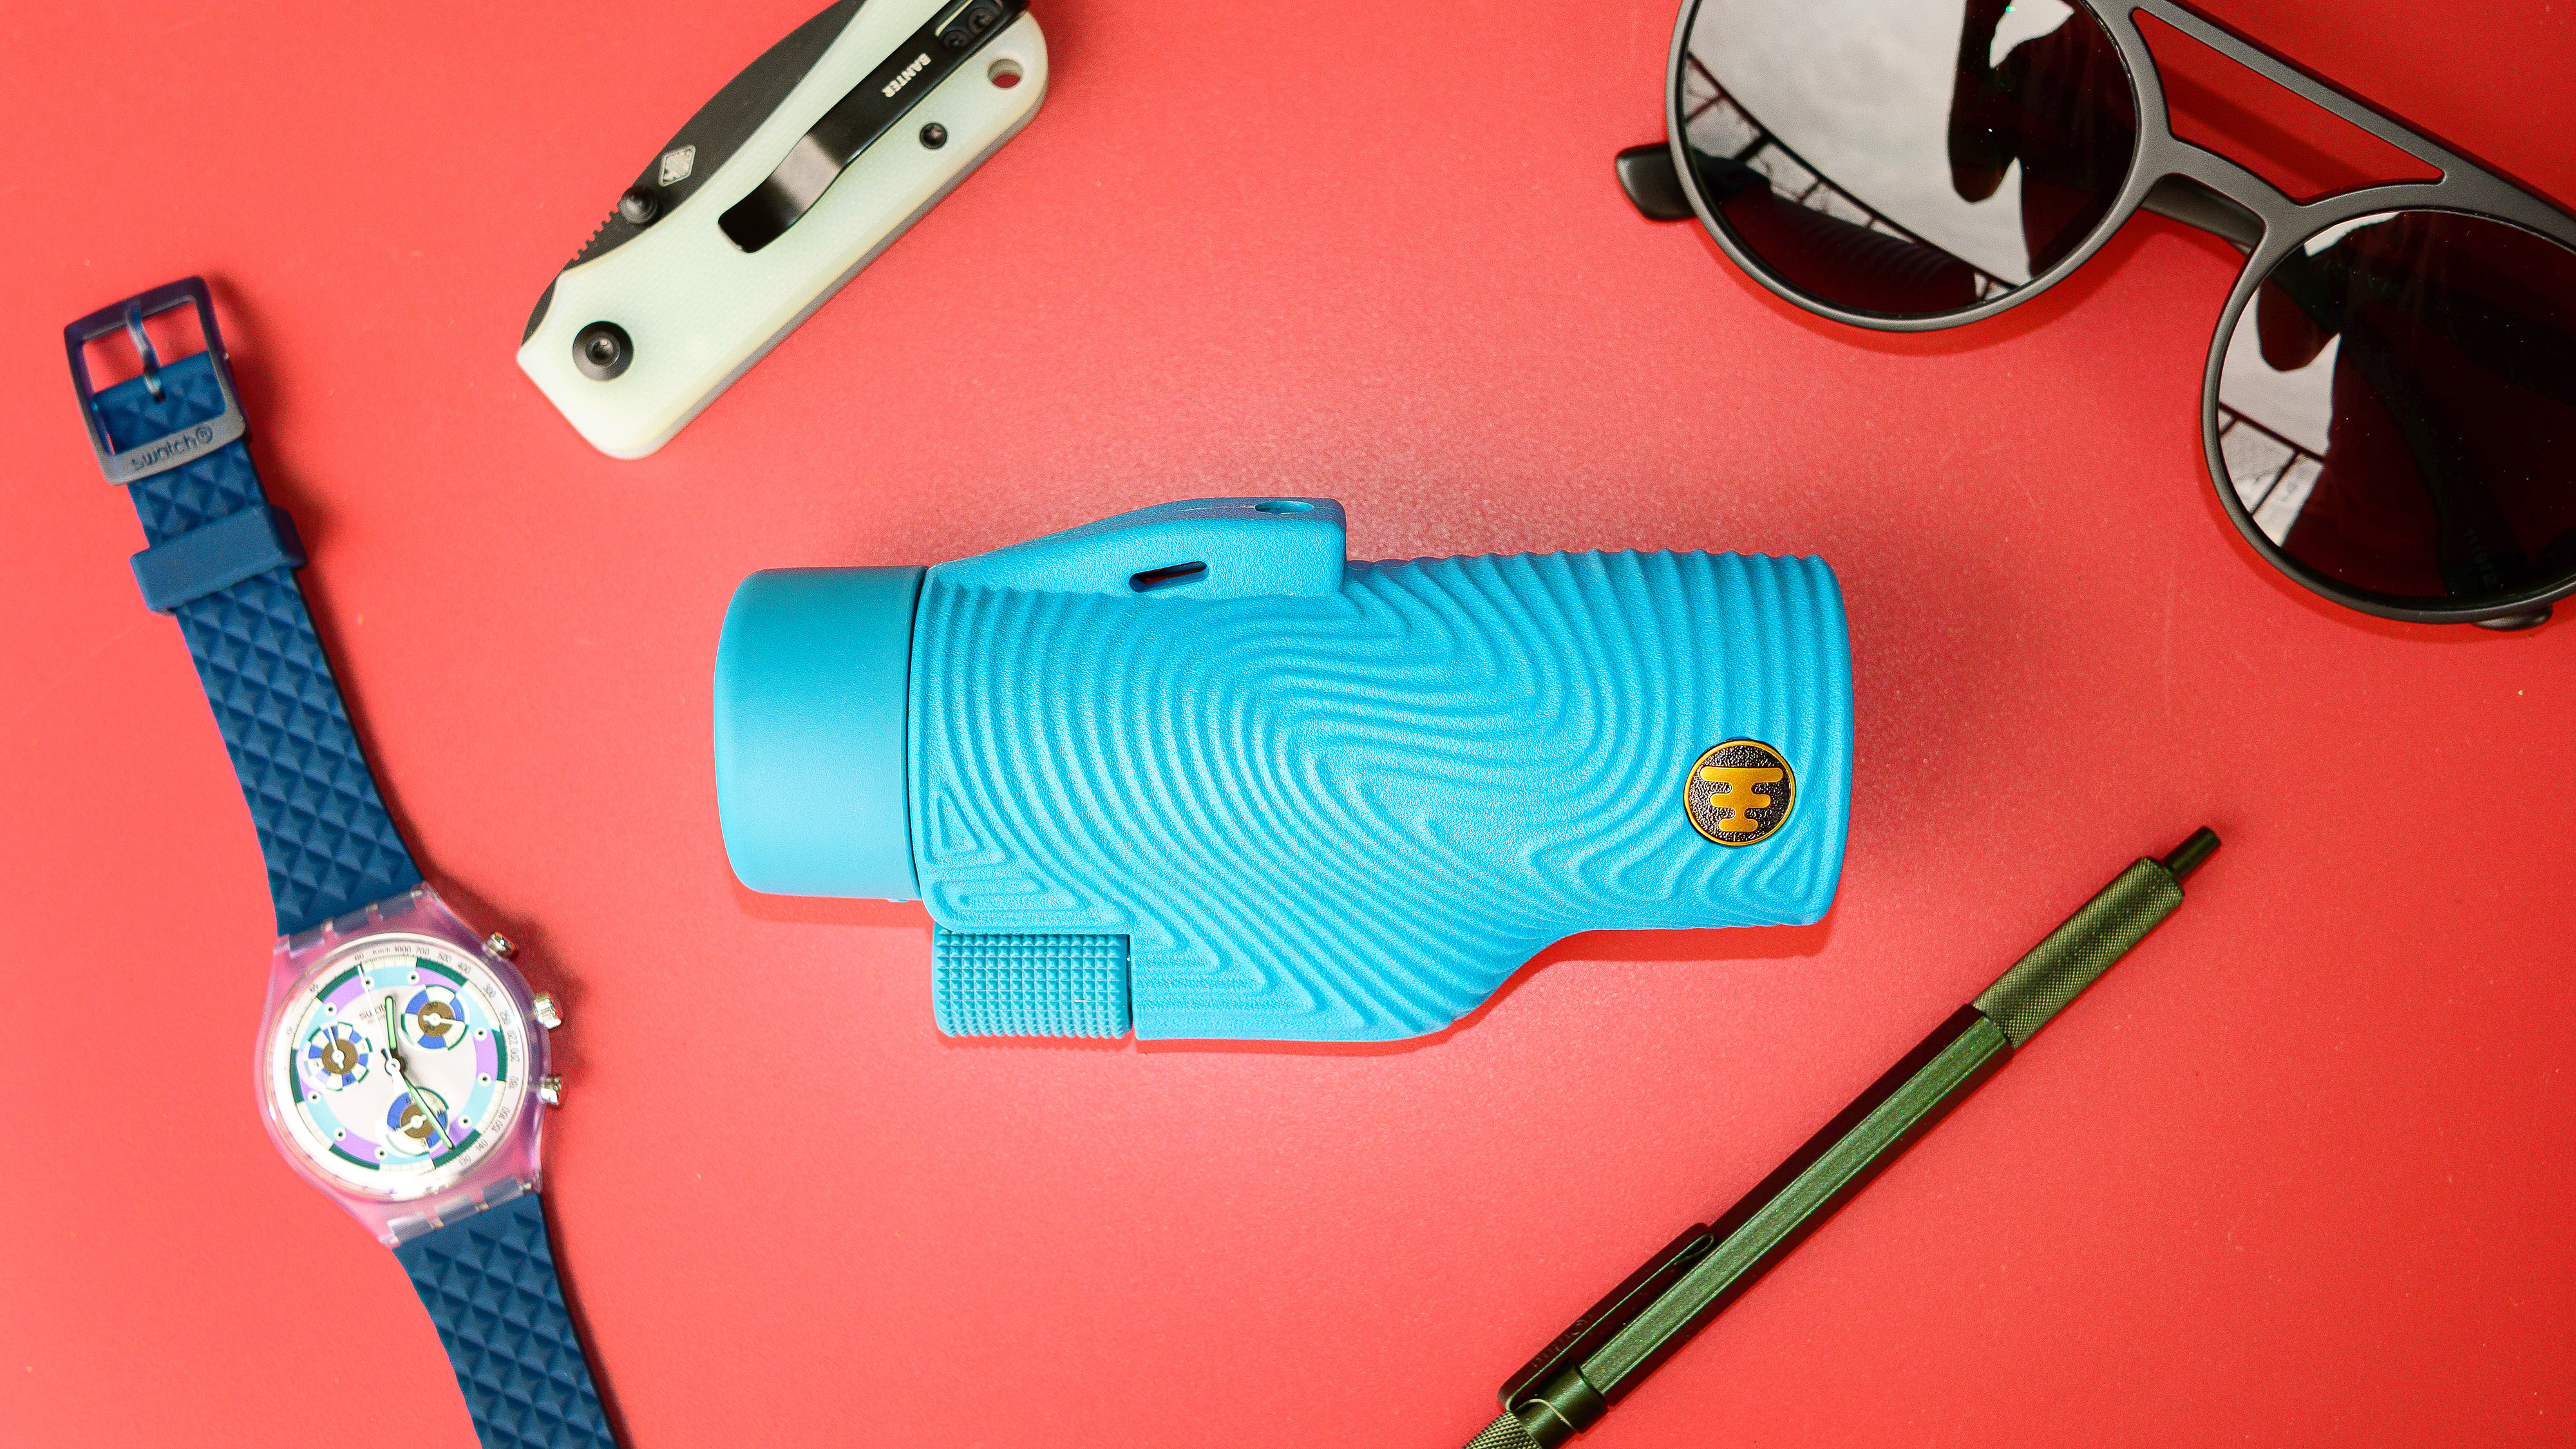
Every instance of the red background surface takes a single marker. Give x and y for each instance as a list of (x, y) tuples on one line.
[(2296, 1173)]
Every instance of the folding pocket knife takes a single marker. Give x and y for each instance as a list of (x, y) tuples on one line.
[(776, 193)]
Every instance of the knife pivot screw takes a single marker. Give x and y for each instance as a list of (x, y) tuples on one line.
[(639, 206), (602, 350), (934, 135)]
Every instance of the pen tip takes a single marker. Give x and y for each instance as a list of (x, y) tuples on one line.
[(2187, 856)]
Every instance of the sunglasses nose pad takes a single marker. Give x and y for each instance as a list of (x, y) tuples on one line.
[(1654, 187)]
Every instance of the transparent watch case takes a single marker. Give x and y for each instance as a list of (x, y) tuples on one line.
[(400, 1193)]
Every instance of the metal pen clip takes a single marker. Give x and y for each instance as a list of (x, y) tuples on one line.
[(1551, 1386)]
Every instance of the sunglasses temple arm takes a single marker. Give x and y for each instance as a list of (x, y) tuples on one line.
[(1652, 185)]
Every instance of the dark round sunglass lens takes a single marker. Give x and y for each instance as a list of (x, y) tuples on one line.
[(1901, 157), (2397, 408)]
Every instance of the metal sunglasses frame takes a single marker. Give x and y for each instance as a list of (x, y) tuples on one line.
[(2268, 226)]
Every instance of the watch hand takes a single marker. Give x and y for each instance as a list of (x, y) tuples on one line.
[(393, 1058)]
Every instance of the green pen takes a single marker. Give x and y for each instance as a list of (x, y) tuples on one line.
[(1628, 1335)]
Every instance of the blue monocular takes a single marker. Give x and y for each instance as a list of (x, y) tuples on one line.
[(1192, 772)]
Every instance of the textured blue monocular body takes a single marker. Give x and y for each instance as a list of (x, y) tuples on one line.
[(1192, 770)]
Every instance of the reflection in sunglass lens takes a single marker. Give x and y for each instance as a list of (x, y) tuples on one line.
[(2397, 407), (1906, 157)]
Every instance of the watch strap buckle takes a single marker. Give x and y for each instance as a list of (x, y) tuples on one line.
[(193, 438)]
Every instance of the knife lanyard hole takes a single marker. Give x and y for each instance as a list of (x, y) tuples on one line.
[(1004, 73)]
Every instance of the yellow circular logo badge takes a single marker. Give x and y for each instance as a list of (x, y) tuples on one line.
[(1739, 793)]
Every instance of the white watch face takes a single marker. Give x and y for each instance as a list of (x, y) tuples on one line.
[(398, 1065)]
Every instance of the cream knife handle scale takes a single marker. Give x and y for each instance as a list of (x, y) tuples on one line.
[(689, 310)]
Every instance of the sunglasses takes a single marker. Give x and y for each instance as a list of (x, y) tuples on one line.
[(2389, 410)]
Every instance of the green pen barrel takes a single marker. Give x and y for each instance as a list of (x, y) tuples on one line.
[(1627, 1335)]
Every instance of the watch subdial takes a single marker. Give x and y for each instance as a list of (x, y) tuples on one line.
[(417, 1125), (337, 1056), (434, 1018)]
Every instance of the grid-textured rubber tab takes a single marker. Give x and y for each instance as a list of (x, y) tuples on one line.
[(1029, 984), (2101, 931), (330, 846), (1506, 1432), (489, 1284)]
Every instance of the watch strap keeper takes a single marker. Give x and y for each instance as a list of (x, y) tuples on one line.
[(216, 556)]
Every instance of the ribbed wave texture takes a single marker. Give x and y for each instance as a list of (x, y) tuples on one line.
[(1351, 818), (1028, 985)]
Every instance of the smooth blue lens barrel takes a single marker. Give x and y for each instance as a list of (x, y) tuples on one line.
[(1192, 770), (809, 730)]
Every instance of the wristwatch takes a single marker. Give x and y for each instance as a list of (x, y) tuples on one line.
[(402, 1065)]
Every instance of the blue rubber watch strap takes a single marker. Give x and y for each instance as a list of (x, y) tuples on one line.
[(489, 1284), (330, 846)]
